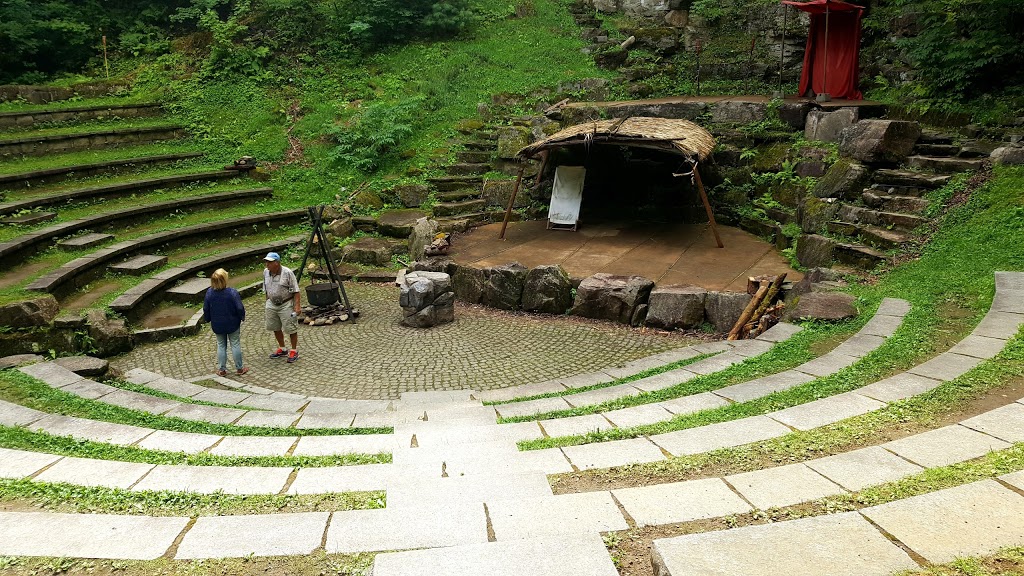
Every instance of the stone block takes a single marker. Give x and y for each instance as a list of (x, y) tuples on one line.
[(827, 306), (468, 284), (391, 528), (171, 441), (638, 415), (945, 446), (611, 297), (139, 265), (373, 251), (757, 388), (497, 192), (412, 195), (1005, 423), (825, 411), (504, 286), (90, 472), (29, 219), (253, 535), (28, 313), (827, 126), (782, 486), (421, 236), (676, 307), (898, 387), (398, 223), (879, 141), (511, 139), (547, 290), (814, 213), (575, 425), (979, 347), (111, 536), (721, 435), (553, 516), (865, 467), (615, 453), (733, 112), (85, 241), (95, 430), (680, 502), (723, 309), (191, 290), (945, 366), (254, 446)]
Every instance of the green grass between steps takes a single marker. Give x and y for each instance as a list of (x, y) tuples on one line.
[(949, 286), (1006, 562), (70, 498), (75, 102), (19, 388), (87, 127)]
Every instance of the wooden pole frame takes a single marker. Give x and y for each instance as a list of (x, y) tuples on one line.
[(512, 201), (707, 206)]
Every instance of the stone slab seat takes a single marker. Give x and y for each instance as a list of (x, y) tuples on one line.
[(138, 294), (23, 179), (25, 244), (118, 189), (42, 145), (77, 114), (68, 273)]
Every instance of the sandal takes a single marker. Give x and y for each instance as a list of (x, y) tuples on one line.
[(243, 371), (222, 372)]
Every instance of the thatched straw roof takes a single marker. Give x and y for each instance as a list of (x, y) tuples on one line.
[(667, 134)]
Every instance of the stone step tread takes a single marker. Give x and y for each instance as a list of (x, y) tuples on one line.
[(897, 190), (942, 164), (910, 178), (47, 172), (884, 236), (462, 207), (458, 195), (946, 150)]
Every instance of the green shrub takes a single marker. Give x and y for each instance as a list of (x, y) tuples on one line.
[(375, 132)]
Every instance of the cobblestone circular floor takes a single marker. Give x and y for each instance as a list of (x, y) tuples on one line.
[(378, 358)]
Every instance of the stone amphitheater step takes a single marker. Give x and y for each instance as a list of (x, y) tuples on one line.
[(473, 156), (944, 165), (468, 169), (43, 145), (910, 178), (81, 271), (458, 195), (861, 215), (31, 242), (117, 189), (133, 300), (939, 150), (453, 183), (77, 114), (37, 177), (445, 209), (895, 203), (873, 235)]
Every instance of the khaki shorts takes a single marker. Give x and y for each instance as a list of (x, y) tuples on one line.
[(279, 317)]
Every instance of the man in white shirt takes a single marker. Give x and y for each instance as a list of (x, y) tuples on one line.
[(283, 305)]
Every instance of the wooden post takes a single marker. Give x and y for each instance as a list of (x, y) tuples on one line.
[(511, 201), (540, 173), (734, 334), (707, 206)]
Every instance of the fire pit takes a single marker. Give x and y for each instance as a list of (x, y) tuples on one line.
[(326, 315)]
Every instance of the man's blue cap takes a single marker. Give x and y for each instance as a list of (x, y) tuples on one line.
[(272, 257)]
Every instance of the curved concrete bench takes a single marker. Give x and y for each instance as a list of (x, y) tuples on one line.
[(110, 190), (77, 114), (47, 175), (30, 242), (75, 273), (42, 145), (131, 301)]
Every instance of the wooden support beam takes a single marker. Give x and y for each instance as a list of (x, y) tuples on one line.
[(511, 201), (707, 206)]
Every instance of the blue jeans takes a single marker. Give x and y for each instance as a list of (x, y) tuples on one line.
[(222, 349)]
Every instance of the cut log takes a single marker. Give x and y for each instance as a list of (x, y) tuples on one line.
[(734, 334)]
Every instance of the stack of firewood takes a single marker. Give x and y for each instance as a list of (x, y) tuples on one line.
[(762, 312)]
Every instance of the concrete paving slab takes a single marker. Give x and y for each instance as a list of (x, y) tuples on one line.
[(637, 366), (1008, 301), (945, 366), (944, 446), (898, 387), (712, 347), (89, 472), (87, 535), (435, 397), (1009, 280), (979, 347), (324, 420), (175, 386), (375, 420), (588, 379), (859, 345), (715, 363), (601, 395), (21, 463), (663, 380), (120, 434), (361, 478), (429, 434), (694, 403), (780, 332), (638, 415), (550, 516), (825, 411), (256, 535), (970, 520), (463, 414), (547, 461), (50, 373), (531, 407), (579, 554), (826, 365), (523, 391), (140, 402), (277, 404), (17, 415), (141, 376), (858, 469), (614, 453), (406, 492), (88, 389), (210, 479), (783, 486), (838, 545), (1002, 325), (759, 387), (680, 502), (222, 396), (172, 441), (575, 425), (1015, 479), (721, 435), (881, 325), (345, 444), (751, 348), (200, 413), (254, 446), (337, 405), (453, 523), (268, 419), (893, 307), (494, 450), (1005, 423)]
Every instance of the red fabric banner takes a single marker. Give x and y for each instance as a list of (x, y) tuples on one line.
[(832, 68)]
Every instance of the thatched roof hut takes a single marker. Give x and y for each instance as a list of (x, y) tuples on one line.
[(665, 134)]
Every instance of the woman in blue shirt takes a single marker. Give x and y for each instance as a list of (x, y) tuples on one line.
[(225, 313)]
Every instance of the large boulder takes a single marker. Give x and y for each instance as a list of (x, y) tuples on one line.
[(504, 286), (672, 307), (426, 299), (398, 223), (732, 112), (879, 141), (340, 228), (723, 309), (814, 213), (412, 195), (421, 236), (1012, 155), (830, 306), (511, 139), (468, 284), (548, 290), (611, 297), (845, 179), (794, 114), (28, 313), (827, 126), (108, 337), (813, 250)]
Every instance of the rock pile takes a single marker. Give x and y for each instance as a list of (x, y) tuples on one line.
[(427, 299)]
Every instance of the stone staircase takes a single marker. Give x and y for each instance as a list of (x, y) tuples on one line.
[(460, 192)]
